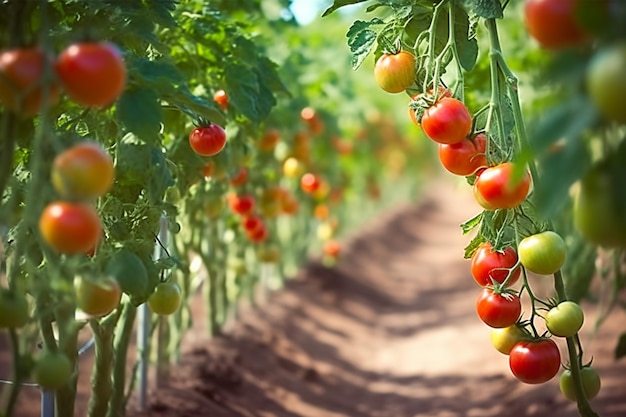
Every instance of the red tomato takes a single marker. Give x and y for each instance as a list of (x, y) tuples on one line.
[(442, 93), (207, 140), (289, 204), (394, 73), (464, 158), (252, 223), (221, 98), (332, 248), (259, 235), (93, 73), (240, 177), (553, 23), (498, 310), (488, 265), (494, 188), (269, 140), (310, 183), (83, 171), (535, 361), (241, 204), (312, 119), (21, 72), (447, 121), (70, 228)]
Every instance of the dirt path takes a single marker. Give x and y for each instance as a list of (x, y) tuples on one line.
[(390, 332)]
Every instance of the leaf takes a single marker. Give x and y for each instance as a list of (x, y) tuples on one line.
[(467, 45), (473, 245), (340, 3), (620, 349), (472, 223), (243, 89), (361, 39), (579, 268), (160, 176), (140, 112), (487, 9), (133, 161)]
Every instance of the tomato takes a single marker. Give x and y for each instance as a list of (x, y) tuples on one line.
[(535, 361), (208, 169), (488, 265), (268, 254), (494, 188), (332, 248), (565, 320), (165, 299), (252, 223), (590, 379), (14, 311), (312, 119), (503, 339), (214, 207), (52, 370), (221, 98), (21, 78), (289, 204), (241, 204), (269, 140), (97, 297), (321, 211), (93, 73), (394, 73), (310, 183), (83, 171), (464, 158), (240, 178), (442, 92), (324, 231), (597, 214), (498, 310), (301, 149), (207, 140), (292, 167), (270, 201), (447, 121), (553, 23), (543, 253), (70, 228), (259, 234), (605, 81), (129, 271)]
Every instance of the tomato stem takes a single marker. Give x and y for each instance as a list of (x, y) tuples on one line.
[(432, 32), (459, 90)]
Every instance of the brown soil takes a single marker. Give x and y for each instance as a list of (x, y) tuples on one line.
[(391, 331)]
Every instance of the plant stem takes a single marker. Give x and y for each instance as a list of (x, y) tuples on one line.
[(17, 374), (117, 404), (101, 376)]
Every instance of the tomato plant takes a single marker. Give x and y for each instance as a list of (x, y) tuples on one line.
[(497, 188), (489, 265), (466, 157), (590, 379), (535, 361), (165, 299), (394, 73), (554, 23), (498, 309), (93, 74), (448, 121), (207, 140), (605, 82), (70, 228), (542, 253), (83, 171), (565, 319)]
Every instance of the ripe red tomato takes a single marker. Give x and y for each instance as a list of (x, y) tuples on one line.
[(221, 98), (207, 140), (332, 248), (21, 72), (553, 23), (494, 188), (447, 121), (240, 178), (258, 235), (542, 253), (466, 157), (535, 361), (165, 299), (312, 119), (83, 171), (310, 183), (605, 81), (498, 310), (97, 298), (488, 265), (93, 73), (252, 223), (269, 140), (394, 73), (70, 228), (241, 204), (591, 383), (442, 92)]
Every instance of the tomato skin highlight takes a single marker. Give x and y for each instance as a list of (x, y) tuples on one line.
[(92, 73), (207, 140), (543, 253), (21, 70), (498, 310), (83, 171), (394, 73), (464, 158), (590, 379), (487, 265), (605, 81), (565, 320), (535, 361), (552, 23), (493, 188), (448, 121), (70, 228)]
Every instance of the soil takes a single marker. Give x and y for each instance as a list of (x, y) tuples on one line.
[(390, 331)]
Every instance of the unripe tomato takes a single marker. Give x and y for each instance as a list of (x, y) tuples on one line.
[(495, 189), (292, 167), (268, 254), (93, 73), (535, 361), (565, 320), (269, 140), (165, 299), (14, 311), (395, 73), (464, 158), (553, 23), (447, 121), (590, 379), (52, 370), (289, 204), (543, 253), (21, 73), (214, 207), (488, 265), (70, 228), (221, 98), (97, 298), (207, 140), (83, 171), (605, 81), (503, 339)]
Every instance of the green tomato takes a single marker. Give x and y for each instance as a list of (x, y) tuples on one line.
[(543, 253), (590, 379), (606, 83), (504, 339), (565, 320), (166, 298), (14, 310), (52, 370)]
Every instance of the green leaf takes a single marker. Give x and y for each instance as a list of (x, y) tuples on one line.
[(340, 3), (467, 45), (472, 223), (487, 9), (140, 111), (473, 245), (620, 349), (579, 268), (160, 176), (361, 39), (133, 161)]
